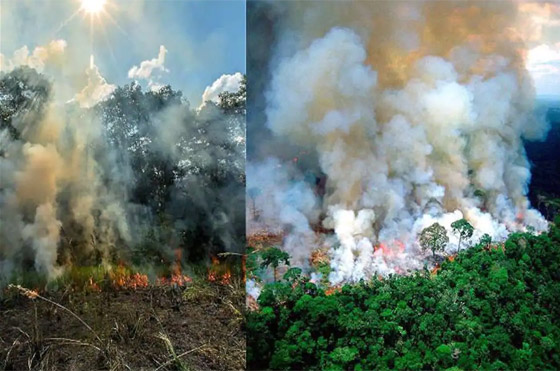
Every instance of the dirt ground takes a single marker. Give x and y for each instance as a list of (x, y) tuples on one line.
[(197, 327)]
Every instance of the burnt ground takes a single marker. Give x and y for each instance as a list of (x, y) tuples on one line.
[(198, 327)]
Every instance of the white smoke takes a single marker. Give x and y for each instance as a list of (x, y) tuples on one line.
[(406, 138), (225, 83), (96, 90), (290, 204), (252, 289), (44, 235)]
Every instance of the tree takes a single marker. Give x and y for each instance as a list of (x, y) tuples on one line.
[(434, 238), (24, 93), (253, 193), (462, 228), (273, 257), (486, 240), (499, 317), (182, 164), (235, 103), (293, 274)]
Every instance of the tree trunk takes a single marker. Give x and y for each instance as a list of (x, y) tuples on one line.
[(275, 269), (459, 245)]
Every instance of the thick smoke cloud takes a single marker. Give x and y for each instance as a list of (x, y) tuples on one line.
[(408, 127)]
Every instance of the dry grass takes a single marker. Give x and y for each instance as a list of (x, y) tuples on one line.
[(200, 326)]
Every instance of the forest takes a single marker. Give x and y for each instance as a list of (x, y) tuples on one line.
[(492, 306)]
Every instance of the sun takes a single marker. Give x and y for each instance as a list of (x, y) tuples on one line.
[(93, 6)]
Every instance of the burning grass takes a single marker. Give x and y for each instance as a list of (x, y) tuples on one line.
[(119, 318), (261, 239)]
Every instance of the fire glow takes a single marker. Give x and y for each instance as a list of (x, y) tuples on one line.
[(218, 272)]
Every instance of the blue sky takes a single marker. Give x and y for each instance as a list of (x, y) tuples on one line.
[(204, 39)]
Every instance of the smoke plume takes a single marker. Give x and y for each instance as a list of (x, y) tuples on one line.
[(413, 112)]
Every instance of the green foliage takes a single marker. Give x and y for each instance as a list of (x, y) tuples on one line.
[(24, 93), (462, 228), (489, 309), (485, 240), (324, 269), (273, 257), (293, 274), (234, 103), (434, 238), (199, 192), (252, 263), (480, 193)]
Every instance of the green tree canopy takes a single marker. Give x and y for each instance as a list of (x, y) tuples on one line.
[(485, 240), (490, 309), (463, 229), (434, 238), (273, 257)]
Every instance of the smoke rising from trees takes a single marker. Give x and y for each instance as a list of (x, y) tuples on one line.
[(409, 128), (117, 174)]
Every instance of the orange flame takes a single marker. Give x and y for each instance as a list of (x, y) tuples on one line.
[(390, 251), (332, 290), (122, 280), (93, 286), (435, 270), (219, 273), (244, 267), (176, 280), (31, 294), (226, 278)]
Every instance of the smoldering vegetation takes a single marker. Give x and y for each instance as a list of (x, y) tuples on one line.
[(117, 175)]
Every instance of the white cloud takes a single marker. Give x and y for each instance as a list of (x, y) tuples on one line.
[(543, 54), (147, 68), (38, 59), (543, 63), (230, 83)]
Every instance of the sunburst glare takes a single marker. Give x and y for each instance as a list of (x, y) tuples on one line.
[(93, 6)]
